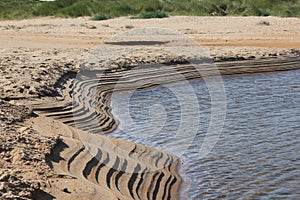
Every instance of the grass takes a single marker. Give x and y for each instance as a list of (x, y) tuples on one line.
[(103, 9), (151, 14), (264, 23), (100, 17)]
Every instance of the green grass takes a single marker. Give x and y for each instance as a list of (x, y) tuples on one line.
[(264, 23), (100, 17), (151, 14), (20, 9)]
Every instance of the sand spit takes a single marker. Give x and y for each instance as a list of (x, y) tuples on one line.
[(50, 150)]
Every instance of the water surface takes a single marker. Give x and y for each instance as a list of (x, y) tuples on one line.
[(256, 157)]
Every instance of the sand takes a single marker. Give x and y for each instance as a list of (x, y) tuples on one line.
[(37, 54)]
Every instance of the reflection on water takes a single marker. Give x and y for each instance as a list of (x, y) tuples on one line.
[(258, 154)]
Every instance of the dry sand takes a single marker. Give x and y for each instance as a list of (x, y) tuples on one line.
[(37, 53), (209, 31)]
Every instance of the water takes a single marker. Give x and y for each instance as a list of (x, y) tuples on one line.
[(256, 157)]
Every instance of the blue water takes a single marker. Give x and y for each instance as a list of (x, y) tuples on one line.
[(257, 155)]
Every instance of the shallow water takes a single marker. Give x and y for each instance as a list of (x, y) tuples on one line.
[(256, 157)]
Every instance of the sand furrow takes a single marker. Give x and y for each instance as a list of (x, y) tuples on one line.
[(91, 96), (123, 169)]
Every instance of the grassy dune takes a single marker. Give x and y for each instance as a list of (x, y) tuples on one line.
[(104, 9)]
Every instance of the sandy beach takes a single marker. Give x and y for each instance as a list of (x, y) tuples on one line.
[(47, 152)]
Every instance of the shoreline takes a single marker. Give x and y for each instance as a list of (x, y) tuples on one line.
[(32, 70), (58, 113)]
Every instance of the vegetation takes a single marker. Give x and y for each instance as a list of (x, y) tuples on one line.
[(100, 17), (105, 9), (152, 14), (264, 23)]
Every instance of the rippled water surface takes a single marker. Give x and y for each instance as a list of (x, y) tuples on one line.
[(256, 157)]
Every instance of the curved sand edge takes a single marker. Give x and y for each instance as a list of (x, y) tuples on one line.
[(95, 87), (116, 169), (131, 78)]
